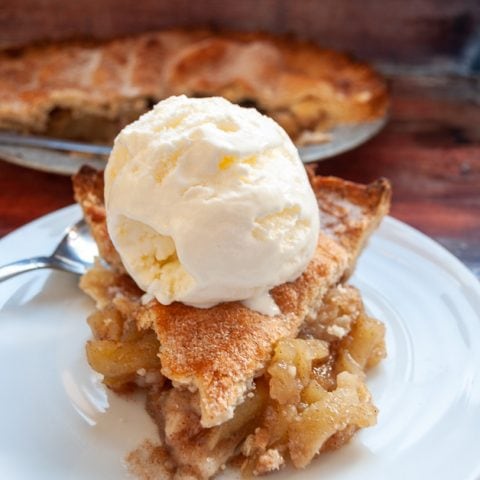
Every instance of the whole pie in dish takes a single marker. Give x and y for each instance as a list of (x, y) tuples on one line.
[(87, 90), (228, 385)]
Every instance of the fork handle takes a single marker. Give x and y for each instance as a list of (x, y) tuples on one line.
[(26, 265)]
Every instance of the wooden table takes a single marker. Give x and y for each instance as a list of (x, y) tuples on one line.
[(430, 151)]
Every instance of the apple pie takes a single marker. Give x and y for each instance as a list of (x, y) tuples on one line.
[(89, 90), (228, 385)]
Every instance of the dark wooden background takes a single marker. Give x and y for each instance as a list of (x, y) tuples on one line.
[(429, 49), (443, 33)]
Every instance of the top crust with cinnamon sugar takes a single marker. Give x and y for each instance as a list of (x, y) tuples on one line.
[(90, 90), (219, 351)]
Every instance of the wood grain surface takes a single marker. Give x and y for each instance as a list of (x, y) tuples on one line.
[(430, 150), (417, 32)]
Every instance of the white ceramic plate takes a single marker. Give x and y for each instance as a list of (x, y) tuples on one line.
[(57, 421)]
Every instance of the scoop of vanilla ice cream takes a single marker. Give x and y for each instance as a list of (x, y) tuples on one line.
[(208, 202)]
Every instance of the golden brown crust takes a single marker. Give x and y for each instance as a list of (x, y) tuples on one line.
[(109, 83), (220, 350), (350, 212), (88, 187)]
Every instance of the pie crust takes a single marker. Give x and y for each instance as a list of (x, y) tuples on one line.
[(89, 90)]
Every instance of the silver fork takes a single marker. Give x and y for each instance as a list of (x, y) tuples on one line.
[(75, 253)]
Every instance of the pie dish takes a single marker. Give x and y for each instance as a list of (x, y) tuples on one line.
[(228, 383), (88, 90)]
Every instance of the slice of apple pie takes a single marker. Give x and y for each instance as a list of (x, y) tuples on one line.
[(228, 384)]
